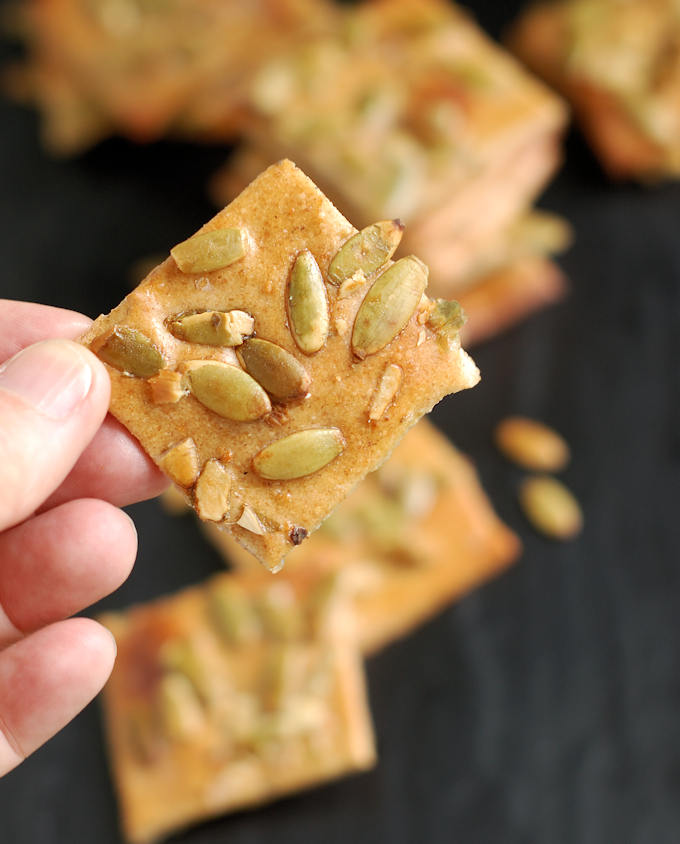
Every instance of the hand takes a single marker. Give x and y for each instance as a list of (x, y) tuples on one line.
[(65, 468)]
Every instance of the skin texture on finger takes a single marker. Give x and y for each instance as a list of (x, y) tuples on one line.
[(25, 323), (113, 467), (54, 396), (62, 561), (46, 679)]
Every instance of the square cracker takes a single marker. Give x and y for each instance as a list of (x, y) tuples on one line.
[(414, 536), (283, 214), (395, 115), (147, 68), (618, 63), (499, 276), (229, 695)]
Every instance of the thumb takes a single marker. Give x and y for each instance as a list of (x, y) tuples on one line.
[(53, 397)]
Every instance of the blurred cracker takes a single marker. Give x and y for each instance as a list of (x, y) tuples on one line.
[(208, 712), (618, 123), (413, 537), (509, 294)]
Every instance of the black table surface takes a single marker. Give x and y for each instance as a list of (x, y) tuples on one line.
[(545, 707)]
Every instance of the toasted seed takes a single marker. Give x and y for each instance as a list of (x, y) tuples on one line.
[(550, 507), (249, 520), (210, 250), (232, 613), (307, 304), (166, 387), (212, 492), (299, 454), (129, 350), (366, 251), (180, 656), (388, 305), (180, 462), (446, 319), (351, 285), (531, 444), (278, 677), (280, 613), (323, 602), (228, 391), (340, 326), (143, 736), (275, 369), (385, 392), (541, 233), (213, 328), (180, 709)]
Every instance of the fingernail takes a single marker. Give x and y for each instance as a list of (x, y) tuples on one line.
[(53, 377)]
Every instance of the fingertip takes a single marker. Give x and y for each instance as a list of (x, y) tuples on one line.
[(46, 679), (63, 560), (54, 396), (113, 529)]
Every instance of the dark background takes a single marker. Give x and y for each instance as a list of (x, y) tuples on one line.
[(546, 706)]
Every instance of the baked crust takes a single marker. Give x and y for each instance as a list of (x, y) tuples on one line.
[(149, 69), (282, 215), (413, 537)]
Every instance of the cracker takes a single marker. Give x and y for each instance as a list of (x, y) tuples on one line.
[(148, 69), (425, 113), (288, 460), (229, 695), (500, 275), (619, 65), (411, 112), (413, 537), (508, 294)]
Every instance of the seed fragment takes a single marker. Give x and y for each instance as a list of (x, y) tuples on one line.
[(228, 391), (280, 613), (249, 521), (181, 656), (143, 735), (307, 304), (213, 328), (275, 369), (180, 462), (366, 251), (166, 387), (551, 507), (388, 305), (446, 319), (324, 601), (299, 454), (232, 613), (181, 712), (351, 285), (130, 351), (385, 392), (210, 250), (212, 492), (531, 444), (340, 326), (278, 677)]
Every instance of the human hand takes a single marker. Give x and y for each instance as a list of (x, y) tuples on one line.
[(65, 468)]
